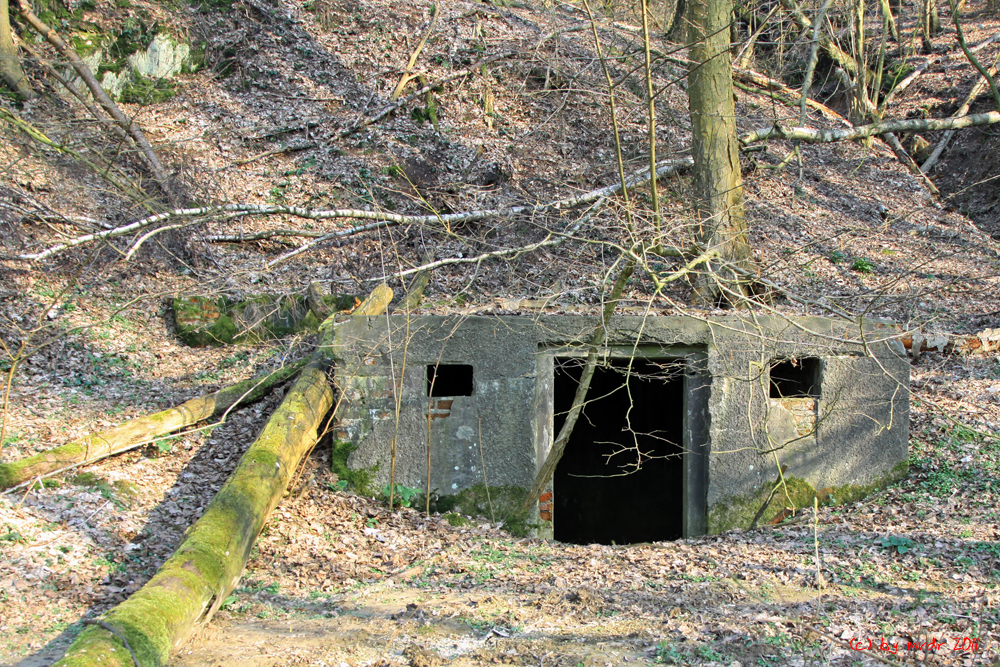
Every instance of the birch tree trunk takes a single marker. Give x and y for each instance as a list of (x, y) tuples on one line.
[(718, 183)]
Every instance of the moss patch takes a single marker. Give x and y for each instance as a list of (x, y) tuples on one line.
[(142, 90), (202, 321), (361, 480), (457, 520), (506, 504), (739, 511)]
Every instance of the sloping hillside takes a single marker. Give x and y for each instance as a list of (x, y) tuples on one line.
[(276, 114)]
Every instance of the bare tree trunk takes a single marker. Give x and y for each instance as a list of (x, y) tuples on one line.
[(718, 182), (10, 65)]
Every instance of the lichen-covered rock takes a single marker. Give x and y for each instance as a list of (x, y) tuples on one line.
[(164, 57), (144, 76)]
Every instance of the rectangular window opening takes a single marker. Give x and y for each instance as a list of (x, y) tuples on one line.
[(795, 378), (444, 380)]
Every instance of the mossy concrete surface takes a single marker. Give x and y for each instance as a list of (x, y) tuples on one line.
[(502, 504), (202, 321), (842, 431), (792, 494)]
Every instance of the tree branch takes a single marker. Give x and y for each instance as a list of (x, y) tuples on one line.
[(99, 94), (822, 136)]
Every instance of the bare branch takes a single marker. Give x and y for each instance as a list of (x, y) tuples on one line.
[(380, 218), (826, 135), (98, 92)]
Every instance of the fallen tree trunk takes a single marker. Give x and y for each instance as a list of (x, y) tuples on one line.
[(141, 430), (821, 136), (209, 561), (987, 340)]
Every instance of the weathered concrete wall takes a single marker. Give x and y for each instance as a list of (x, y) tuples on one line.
[(494, 425), (854, 434), (862, 415)]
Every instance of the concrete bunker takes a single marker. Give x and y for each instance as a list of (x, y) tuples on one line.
[(682, 433)]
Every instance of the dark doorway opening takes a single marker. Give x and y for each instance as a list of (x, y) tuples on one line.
[(621, 478)]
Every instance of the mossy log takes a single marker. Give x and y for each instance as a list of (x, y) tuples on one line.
[(142, 430), (195, 580), (202, 321)]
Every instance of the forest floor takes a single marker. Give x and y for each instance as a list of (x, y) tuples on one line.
[(336, 578)]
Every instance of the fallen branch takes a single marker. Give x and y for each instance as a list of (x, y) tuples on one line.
[(389, 108), (261, 236), (918, 342), (826, 135), (380, 218), (98, 92), (193, 583), (142, 430), (667, 168), (769, 84)]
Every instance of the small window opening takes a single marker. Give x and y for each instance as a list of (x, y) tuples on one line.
[(449, 380), (795, 378)]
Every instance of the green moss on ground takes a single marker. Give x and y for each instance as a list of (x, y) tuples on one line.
[(798, 494), (362, 480), (499, 503), (457, 520), (142, 90)]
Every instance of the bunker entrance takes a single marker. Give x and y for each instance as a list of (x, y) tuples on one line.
[(621, 478)]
